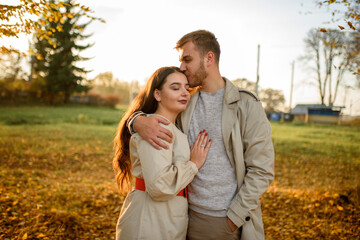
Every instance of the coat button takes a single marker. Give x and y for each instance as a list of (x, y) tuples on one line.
[(247, 218)]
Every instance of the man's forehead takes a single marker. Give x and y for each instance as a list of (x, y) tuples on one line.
[(184, 55), (187, 50)]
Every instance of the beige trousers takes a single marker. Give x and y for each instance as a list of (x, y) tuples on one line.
[(204, 227)]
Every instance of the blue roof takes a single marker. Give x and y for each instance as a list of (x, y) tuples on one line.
[(316, 109)]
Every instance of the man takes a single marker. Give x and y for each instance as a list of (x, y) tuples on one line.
[(224, 197)]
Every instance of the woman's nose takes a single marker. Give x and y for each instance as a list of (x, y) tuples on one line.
[(185, 92)]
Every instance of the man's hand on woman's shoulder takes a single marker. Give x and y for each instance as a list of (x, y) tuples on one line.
[(150, 130)]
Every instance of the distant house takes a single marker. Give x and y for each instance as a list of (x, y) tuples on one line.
[(316, 113)]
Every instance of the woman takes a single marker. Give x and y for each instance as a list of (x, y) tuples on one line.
[(157, 207)]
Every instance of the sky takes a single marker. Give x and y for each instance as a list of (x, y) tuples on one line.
[(139, 37)]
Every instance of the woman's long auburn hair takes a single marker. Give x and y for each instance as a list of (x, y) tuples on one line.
[(145, 102)]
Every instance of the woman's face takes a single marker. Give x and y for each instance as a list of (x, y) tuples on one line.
[(174, 95)]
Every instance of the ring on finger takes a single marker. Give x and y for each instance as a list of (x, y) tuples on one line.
[(202, 145)]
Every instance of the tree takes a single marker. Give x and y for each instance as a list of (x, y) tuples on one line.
[(244, 83), (105, 79), (351, 19), (273, 100), (351, 16), (104, 85), (353, 52), (30, 15), (57, 56), (326, 56), (10, 66), (12, 76)]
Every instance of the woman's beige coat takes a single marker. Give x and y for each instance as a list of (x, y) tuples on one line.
[(247, 137), (158, 213)]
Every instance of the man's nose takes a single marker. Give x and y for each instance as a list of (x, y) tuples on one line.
[(182, 67)]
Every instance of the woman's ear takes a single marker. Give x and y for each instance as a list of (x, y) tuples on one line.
[(157, 95)]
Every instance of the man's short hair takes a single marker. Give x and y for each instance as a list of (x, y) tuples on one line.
[(204, 42)]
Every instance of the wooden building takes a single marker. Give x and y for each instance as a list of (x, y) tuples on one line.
[(316, 113)]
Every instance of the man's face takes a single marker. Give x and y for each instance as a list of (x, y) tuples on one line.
[(192, 64)]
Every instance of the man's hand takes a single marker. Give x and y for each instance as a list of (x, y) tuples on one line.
[(233, 227), (151, 131)]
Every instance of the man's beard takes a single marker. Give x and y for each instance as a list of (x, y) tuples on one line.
[(199, 76)]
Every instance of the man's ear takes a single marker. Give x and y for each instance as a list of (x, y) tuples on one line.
[(157, 95), (209, 58)]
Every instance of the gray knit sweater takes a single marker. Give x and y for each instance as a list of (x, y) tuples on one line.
[(215, 184)]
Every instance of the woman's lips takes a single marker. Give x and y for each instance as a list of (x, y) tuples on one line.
[(183, 101)]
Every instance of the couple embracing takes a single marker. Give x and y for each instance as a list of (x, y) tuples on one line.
[(200, 161)]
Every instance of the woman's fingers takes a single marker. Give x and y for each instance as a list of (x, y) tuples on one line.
[(200, 149), (201, 140), (204, 140), (208, 146)]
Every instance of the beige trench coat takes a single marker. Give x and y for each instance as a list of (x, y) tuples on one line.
[(247, 137), (158, 213)]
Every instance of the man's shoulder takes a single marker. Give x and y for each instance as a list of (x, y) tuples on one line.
[(246, 94), (243, 93)]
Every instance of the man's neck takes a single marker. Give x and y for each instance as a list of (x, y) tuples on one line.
[(212, 83)]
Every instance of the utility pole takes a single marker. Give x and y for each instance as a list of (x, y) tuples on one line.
[(257, 72), (32, 60), (292, 83)]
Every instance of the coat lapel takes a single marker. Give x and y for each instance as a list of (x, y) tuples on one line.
[(229, 112), (186, 115)]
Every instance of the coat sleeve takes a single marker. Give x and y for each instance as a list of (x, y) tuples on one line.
[(131, 120), (164, 178), (258, 153)]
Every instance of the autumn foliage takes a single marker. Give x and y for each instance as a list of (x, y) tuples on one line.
[(29, 16), (57, 180), (349, 19)]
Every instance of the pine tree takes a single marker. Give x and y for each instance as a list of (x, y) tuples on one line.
[(57, 57)]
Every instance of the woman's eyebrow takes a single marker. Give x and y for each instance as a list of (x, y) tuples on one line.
[(174, 83)]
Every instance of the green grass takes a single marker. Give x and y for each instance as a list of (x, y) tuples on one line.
[(327, 156), (53, 115), (58, 183)]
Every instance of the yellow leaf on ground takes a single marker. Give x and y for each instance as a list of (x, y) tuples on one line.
[(25, 236), (40, 235), (340, 208)]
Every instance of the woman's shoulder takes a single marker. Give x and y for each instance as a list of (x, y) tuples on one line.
[(171, 127), (176, 132)]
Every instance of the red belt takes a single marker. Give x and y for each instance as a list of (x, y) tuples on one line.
[(140, 185)]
